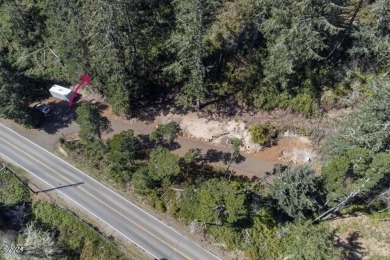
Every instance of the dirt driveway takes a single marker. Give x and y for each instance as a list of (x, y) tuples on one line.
[(61, 122)]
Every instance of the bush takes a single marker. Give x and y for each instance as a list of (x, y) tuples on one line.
[(77, 239), (12, 192), (160, 206), (231, 237), (143, 183), (155, 201), (305, 104), (262, 135), (292, 241)]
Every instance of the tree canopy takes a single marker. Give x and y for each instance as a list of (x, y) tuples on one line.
[(215, 201), (262, 53), (297, 191), (223, 57), (92, 124), (163, 165)]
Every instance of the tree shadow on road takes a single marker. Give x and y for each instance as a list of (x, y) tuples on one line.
[(213, 156), (61, 116), (150, 111)]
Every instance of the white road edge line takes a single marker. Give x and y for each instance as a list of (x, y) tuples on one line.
[(20, 166), (120, 196)]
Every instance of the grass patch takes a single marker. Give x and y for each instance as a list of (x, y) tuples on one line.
[(12, 192), (79, 240)]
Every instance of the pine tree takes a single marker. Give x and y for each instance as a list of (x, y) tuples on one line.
[(192, 20), (297, 192), (299, 35), (371, 39)]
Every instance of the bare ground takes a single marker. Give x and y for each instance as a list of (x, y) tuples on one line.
[(363, 237)]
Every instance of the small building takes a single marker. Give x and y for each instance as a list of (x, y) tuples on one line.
[(61, 92)]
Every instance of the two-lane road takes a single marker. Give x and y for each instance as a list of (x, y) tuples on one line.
[(128, 220)]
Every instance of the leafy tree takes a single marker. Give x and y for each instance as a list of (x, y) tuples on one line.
[(165, 133), (335, 174), (124, 148), (123, 151), (92, 124), (358, 171), (353, 156), (297, 192), (163, 165), (378, 173), (341, 172), (142, 181), (366, 127), (215, 201), (307, 241)]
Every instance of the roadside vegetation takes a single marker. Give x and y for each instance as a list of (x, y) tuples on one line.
[(220, 57), (259, 218), (44, 230)]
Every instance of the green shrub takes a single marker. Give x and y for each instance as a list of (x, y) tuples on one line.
[(160, 206), (143, 183), (328, 99), (261, 134), (291, 241), (305, 104), (11, 190), (229, 236), (78, 240)]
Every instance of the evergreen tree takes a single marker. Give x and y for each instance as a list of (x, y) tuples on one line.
[(297, 192), (192, 20), (371, 39), (299, 35), (355, 156), (92, 124)]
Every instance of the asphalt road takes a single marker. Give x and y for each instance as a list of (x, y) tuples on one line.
[(130, 221)]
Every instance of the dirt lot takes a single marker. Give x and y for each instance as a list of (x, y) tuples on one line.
[(208, 135)]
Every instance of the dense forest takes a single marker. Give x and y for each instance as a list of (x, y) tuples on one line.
[(307, 56), (257, 54)]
